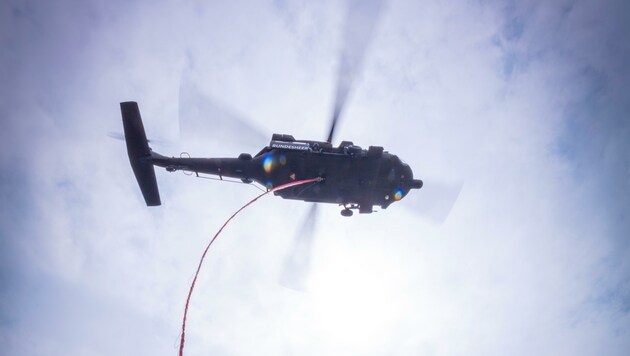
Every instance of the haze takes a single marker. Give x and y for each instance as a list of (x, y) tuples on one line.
[(526, 103)]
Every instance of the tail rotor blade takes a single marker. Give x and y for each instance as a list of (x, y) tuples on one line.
[(121, 137), (361, 20), (297, 264), (116, 135)]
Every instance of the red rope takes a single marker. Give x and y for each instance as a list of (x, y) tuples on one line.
[(192, 286)]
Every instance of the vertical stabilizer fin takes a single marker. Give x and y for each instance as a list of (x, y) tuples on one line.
[(139, 152)]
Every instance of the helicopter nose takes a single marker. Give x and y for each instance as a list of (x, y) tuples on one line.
[(416, 184), (407, 174)]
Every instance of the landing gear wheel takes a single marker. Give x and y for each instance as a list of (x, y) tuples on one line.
[(346, 212)]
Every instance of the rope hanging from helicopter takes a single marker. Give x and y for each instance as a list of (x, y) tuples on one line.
[(192, 285)]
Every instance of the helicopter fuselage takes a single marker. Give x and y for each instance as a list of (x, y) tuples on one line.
[(354, 177)]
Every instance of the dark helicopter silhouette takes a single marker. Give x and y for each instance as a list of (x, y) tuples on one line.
[(353, 177)]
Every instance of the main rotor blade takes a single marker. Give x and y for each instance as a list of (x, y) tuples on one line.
[(435, 200), (360, 22), (203, 118), (297, 264)]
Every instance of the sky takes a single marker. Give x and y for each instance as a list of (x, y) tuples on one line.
[(526, 103)]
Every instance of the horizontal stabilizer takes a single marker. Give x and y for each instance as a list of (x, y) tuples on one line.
[(139, 152)]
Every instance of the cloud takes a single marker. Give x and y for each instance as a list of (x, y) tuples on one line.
[(525, 102)]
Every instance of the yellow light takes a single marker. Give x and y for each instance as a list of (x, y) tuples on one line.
[(268, 163)]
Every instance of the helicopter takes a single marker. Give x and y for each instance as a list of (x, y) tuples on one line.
[(351, 176), (348, 175)]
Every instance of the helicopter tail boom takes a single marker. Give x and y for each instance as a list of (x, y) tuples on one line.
[(139, 152)]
